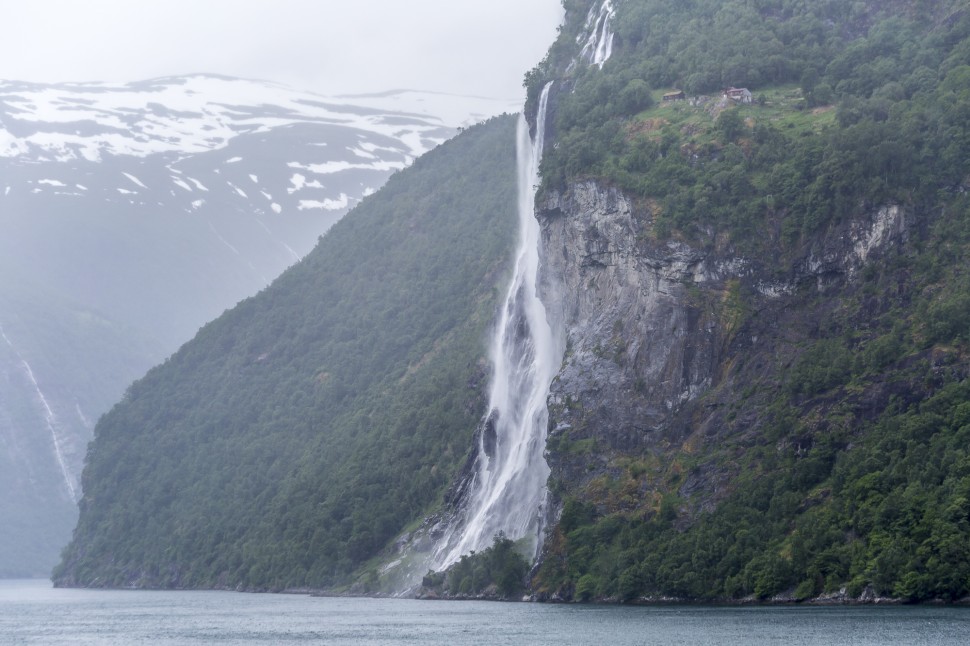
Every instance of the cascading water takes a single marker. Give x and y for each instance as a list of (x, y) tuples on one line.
[(507, 491), (599, 35), (506, 488), (49, 419)]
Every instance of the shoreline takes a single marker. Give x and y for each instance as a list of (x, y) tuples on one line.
[(821, 601)]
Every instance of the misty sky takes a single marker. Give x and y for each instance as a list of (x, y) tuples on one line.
[(480, 47)]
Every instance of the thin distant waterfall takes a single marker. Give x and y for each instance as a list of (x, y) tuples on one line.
[(507, 491), (50, 420)]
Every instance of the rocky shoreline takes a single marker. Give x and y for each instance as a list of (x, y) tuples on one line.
[(840, 598)]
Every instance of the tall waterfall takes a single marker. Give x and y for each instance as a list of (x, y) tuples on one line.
[(507, 490), (50, 420), (599, 34)]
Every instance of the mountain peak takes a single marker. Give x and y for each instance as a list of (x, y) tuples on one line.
[(198, 112)]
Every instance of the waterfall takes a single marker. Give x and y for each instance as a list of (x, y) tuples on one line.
[(49, 419), (507, 489), (599, 35)]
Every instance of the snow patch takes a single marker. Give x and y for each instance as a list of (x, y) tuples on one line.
[(329, 168), (198, 113), (297, 181), (178, 182), (300, 182), (197, 183), (328, 205), (134, 179)]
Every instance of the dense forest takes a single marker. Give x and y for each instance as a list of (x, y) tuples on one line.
[(844, 461), (303, 429), (296, 437), (854, 102)]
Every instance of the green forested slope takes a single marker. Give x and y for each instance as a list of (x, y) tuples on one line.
[(300, 431), (836, 450)]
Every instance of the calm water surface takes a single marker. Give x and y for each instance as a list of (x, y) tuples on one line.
[(31, 612)]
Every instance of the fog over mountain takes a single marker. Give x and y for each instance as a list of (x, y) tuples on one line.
[(321, 45), (134, 213)]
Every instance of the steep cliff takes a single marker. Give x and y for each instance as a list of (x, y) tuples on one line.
[(765, 389), (657, 326), (721, 428)]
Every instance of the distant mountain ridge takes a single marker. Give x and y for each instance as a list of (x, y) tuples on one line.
[(200, 112), (133, 213), (170, 119)]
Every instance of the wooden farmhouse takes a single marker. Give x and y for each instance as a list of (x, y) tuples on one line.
[(738, 94)]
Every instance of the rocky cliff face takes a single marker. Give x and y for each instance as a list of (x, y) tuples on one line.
[(637, 348), (665, 336)]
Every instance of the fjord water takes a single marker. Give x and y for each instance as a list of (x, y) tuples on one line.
[(31, 612)]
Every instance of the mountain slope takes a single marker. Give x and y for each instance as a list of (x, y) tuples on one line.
[(46, 419), (131, 215), (204, 188), (303, 429), (766, 385)]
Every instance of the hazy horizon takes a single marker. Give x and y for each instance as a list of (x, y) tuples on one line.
[(326, 47)]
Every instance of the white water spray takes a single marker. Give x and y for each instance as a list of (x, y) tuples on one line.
[(599, 35), (49, 419), (507, 491)]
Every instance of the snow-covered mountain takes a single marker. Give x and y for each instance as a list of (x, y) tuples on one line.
[(191, 114), (132, 214)]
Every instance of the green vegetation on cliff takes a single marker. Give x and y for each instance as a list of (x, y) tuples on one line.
[(497, 572), (302, 430), (895, 76), (853, 471), (830, 451)]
